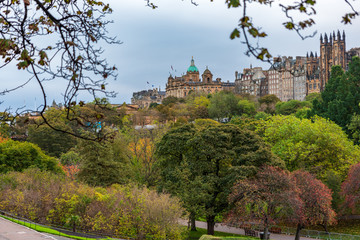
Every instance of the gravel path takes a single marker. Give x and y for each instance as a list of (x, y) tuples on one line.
[(223, 228)]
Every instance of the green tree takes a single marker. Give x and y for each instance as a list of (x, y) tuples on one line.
[(290, 107), (268, 102), (223, 105), (317, 145), (211, 158), (103, 164), (246, 107), (341, 96), (17, 156), (354, 128)]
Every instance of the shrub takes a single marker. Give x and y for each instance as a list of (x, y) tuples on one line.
[(117, 210)]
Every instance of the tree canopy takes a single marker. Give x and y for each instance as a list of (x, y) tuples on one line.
[(75, 28), (18, 156), (318, 145), (341, 96), (211, 158)]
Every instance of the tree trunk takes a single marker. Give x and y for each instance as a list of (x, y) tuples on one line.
[(266, 232), (210, 220), (192, 222), (298, 229)]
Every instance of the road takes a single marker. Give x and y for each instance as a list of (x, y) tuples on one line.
[(13, 231)]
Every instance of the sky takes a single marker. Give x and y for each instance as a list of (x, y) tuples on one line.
[(157, 42)]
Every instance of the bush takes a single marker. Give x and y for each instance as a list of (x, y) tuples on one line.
[(118, 210)]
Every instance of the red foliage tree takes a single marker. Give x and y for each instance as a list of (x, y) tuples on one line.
[(267, 198), (275, 195), (316, 201), (350, 189)]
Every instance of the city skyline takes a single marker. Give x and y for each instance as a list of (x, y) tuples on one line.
[(156, 42)]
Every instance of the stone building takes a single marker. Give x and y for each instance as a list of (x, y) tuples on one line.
[(299, 75), (144, 98), (181, 86), (251, 81), (332, 52), (312, 73)]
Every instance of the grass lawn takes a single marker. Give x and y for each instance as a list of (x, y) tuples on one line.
[(47, 230), (344, 226)]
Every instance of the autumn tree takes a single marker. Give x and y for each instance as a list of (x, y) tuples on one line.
[(350, 190), (211, 158), (316, 202), (275, 195), (267, 198), (72, 55)]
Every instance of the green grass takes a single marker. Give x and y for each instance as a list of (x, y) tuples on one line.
[(344, 226), (48, 230), (197, 234)]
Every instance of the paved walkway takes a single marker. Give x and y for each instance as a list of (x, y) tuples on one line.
[(13, 231), (223, 228)]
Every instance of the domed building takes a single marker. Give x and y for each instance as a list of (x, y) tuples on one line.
[(181, 86)]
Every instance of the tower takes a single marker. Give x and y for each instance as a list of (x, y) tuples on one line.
[(331, 53)]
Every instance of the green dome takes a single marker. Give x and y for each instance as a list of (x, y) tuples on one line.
[(192, 67)]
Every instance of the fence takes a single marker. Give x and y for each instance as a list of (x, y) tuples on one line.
[(303, 233), (61, 230)]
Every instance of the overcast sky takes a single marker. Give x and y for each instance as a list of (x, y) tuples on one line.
[(155, 40)]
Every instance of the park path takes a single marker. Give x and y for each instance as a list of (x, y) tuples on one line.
[(223, 228), (13, 231)]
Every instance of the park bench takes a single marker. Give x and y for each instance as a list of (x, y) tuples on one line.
[(275, 230), (250, 232)]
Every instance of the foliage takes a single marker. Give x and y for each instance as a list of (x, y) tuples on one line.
[(354, 128), (74, 53), (246, 107), (18, 156), (276, 195), (123, 211), (268, 102), (223, 105), (312, 96), (316, 145), (341, 96), (70, 158), (103, 164), (144, 163), (271, 196), (316, 201), (290, 107), (248, 123), (200, 164), (350, 189)]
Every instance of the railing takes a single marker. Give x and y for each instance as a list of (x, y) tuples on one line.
[(303, 233), (61, 230)]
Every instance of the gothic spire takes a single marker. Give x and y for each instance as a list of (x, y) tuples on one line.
[(343, 35), (326, 38), (321, 39)]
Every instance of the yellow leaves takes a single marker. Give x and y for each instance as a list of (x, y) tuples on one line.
[(264, 53)]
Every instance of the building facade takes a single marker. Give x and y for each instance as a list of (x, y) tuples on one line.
[(251, 81), (181, 86), (146, 97)]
